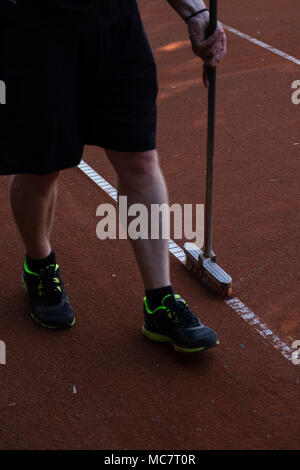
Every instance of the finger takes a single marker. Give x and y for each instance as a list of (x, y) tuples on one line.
[(213, 50), (223, 49), (211, 40), (225, 44), (207, 53), (213, 59)]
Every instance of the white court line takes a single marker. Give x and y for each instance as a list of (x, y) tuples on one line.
[(262, 44), (244, 312), (101, 182), (253, 320)]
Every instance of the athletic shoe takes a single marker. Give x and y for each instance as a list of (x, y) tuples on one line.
[(173, 322), (50, 307)]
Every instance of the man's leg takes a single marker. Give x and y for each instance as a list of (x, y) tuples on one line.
[(141, 180), (167, 317), (33, 199)]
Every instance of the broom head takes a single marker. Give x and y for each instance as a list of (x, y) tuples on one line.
[(207, 271)]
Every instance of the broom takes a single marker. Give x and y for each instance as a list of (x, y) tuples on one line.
[(202, 263)]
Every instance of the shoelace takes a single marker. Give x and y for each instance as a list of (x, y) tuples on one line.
[(51, 285), (180, 312)]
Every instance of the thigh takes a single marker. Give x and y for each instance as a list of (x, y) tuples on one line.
[(39, 132), (121, 102)]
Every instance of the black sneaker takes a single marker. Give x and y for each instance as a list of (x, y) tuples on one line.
[(173, 322), (50, 307)]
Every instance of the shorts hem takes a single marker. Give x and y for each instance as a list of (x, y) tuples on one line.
[(30, 171), (126, 148)]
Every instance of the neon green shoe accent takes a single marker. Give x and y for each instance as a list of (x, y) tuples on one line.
[(161, 307), (48, 326), (155, 336), (158, 338), (177, 296), (36, 274), (28, 270), (184, 350)]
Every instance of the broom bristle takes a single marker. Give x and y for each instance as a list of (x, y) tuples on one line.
[(222, 290)]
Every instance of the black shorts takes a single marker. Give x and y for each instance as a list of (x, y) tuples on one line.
[(65, 91)]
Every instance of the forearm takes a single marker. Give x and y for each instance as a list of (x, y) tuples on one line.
[(185, 8)]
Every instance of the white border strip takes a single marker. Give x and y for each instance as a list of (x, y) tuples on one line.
[(262, 44), (101, 182), (244, 312)]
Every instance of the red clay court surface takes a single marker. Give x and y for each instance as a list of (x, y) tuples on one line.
[(102, 385)]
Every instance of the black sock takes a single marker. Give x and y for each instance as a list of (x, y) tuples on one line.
[(35, 265), (155, 296)]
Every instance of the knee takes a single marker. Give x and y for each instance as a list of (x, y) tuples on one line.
[(140, 169)]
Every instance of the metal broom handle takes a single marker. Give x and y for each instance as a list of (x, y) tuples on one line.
[(213, 7)]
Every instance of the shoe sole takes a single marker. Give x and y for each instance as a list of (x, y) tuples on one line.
[(158, 338), (44, 325), (51, 327)]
